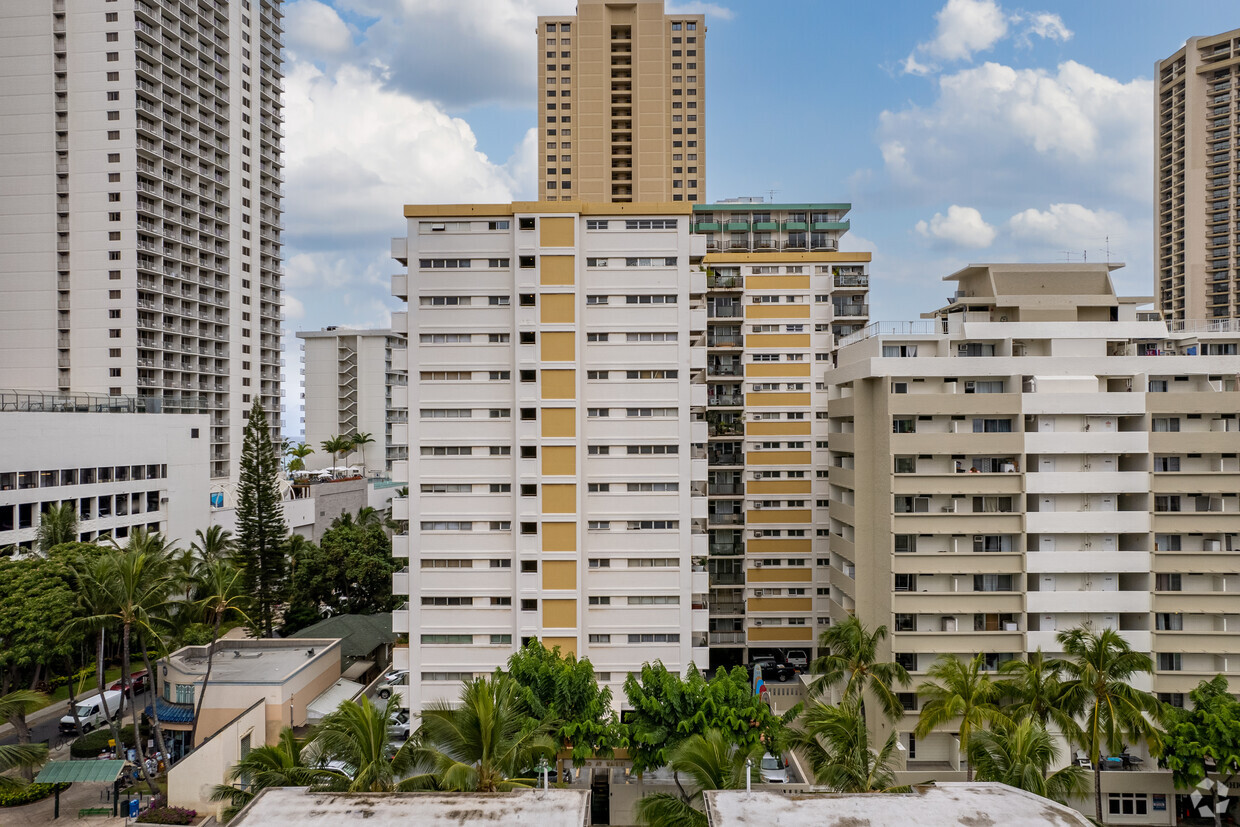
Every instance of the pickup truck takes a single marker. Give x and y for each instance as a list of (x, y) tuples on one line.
[(772, 670)]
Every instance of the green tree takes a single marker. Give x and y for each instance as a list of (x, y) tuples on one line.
[(1033, 688), (41, 598), (57, 525), (336, 445), (23, 756), (356, 734), (711, 762), (958, 691), (299, 452), (359, 441), (483, 743), (565, 690), (350, 572), (261, 530), (835, 741), (850, 656), (223, 597), (666, 709), (1020, 754), (1100, 667), (96, 613), (1205, 741), (216, 543), (283, 764)]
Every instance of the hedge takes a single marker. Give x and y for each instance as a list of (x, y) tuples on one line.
[(96, 741), (29, 794)]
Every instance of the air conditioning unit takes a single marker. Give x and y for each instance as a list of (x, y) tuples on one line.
[(757, 505), (757, 623), (757, 564)]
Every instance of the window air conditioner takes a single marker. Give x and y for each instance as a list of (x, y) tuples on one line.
[(757, 623), (757, 564)]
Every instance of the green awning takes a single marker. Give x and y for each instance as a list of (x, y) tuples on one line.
[(97, 771)]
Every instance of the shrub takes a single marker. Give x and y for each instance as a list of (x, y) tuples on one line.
[(96, 741), (29, 794), (167, 815)]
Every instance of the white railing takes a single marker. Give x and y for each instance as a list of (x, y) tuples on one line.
[(918, 328)]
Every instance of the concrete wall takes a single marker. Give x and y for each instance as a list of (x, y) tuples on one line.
[(191, 780)]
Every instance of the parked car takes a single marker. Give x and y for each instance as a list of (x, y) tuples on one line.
[(90, 711), (774, 769), (798, 659), (395, 681), (398, 726), (772, 670), (137, 683)]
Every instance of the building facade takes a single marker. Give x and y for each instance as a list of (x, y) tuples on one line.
[(1197, 212), (1037, 455), (621, 89), (557, 439), (779, 294), (349, 378), (140, 223), (119, 467)]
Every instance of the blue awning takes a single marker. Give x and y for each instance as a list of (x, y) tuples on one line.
[(172, 713)]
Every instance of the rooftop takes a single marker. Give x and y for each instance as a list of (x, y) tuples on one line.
[(45, 401), (333, 331), (359, 634), (941, 805), (266, 660), (297, 807)]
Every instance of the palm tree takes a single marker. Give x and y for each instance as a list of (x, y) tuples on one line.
[(1021, 755), (958, 690), (356, 734), (58, 524), (851, 656), (97, 603), (299, 452), (1033, 688), (360, 440), (283, 764), (1100, 667), (223, 594), (216, 543), (336, 445), (482, 743), (23, 757), (367, 516), (835, 741), (712, 762)]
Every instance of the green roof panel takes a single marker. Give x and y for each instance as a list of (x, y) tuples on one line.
[(87, 770)]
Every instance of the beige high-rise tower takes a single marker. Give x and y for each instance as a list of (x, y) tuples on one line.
[(621, 90), (1195, 174)]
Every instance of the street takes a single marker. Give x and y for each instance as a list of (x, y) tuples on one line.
[(42, 732)]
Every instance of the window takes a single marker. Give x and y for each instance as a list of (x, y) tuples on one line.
[(499, 301), (449, 639), (525, 223), (1126, 804), (650, 224), (1166, 424), (596, 300), (1166, 463), (447, 601), (529, 605), (529, 566), (600, 562), (1166, 582), (650, 299), (905, 425), (655, 637), (596, 224), (600, 600), (600, 638), (992, 426), (906, 622), (992, 582), (905, 543)]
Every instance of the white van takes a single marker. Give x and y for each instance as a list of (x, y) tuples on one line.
[(90, 711)]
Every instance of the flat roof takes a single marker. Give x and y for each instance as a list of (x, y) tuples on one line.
[(764, 206), (254, 661), (552, 207), (298, 807), (345, 331), (941, 804)]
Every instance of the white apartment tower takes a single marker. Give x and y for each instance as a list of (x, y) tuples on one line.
[(557, 438), (349, 378), (1036, 455), (140, 228)]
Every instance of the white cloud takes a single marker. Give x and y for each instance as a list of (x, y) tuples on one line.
[(293, 308), (698, 7), (962, 226), (1047, 25), (1069, 227), (312, 27), (965, 27)]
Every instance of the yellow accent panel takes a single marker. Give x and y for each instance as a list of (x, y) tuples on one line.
[(562, 384), (556, 271), (559, 536), (558, 422), (779, 487), (777, 369), (559, 614), (568, 645), (557, 308), (555, 232), (559, 574), (777, 311), (778, 574), (559, 346), (559, 460), (780, 340), (776, 400), (781, 633), (785, 515), (753, 282), (761, 428), (777, 258), (768, 545), (559, 499), (780, 604), (777, 457)]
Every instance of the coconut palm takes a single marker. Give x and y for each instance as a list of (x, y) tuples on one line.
[(958, 690), (216, 543), (58, 524), (712, 762), (1100, 667), (851, 657), (1033, 688), (360, 440), (283, 764), (356, 734), (835, 741), (483, 743), (23, 757), (223, 595), (299, 452), (97, 605), (336, 445), (1020, 754)]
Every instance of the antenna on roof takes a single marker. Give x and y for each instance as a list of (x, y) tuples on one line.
[(772, 194), (1108, 242)]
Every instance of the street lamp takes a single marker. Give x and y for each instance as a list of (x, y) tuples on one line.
[(543, 767), (748, 774)]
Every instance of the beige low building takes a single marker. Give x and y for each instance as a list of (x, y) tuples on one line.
[(297, 807)]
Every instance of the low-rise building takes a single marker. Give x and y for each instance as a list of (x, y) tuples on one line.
[(298, 807)]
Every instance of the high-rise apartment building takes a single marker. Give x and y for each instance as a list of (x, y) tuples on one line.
[(1196, 169), (779, 294), (622, 104), (140, 248), (1037, 455), (557, 438), (349, 376)]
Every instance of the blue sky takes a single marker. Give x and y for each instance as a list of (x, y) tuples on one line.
[(960, 130)]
